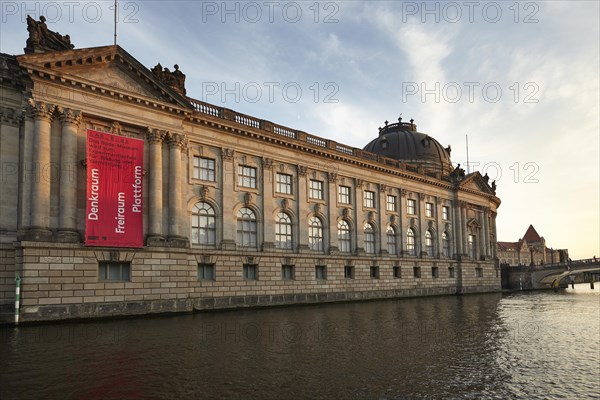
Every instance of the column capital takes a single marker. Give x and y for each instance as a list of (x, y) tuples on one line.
[(332, 176), (41, 110), (267, 163), (302, 170), (155, 136), (70, 116), (176, 140)]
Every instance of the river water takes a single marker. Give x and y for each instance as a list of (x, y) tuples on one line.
[(535, 345)]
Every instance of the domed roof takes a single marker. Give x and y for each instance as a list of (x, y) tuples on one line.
[(402, 142)]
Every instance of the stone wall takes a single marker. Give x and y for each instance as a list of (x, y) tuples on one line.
[(60, 281), (7, 275)]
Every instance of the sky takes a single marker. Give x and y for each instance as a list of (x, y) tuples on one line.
[(520, 80)]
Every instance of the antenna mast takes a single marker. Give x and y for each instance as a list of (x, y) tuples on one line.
[(468, 164), (115, 43)]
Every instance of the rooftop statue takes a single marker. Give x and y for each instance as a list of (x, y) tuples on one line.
[(175, 79), (41, 39)]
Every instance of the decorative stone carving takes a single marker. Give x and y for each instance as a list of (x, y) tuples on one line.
[(332, 176), (175, 79), (317, 208), (285, 204), (227, 154), (116, 129), (177, 140), (41, 110), (41, 39), (346, 212), (383, 188), (267, 163), (69, 116), (359, 183), (247, 199), (371, 216), (403, 192), (155, 136), (302, 170), (392, 219), (203, 192)]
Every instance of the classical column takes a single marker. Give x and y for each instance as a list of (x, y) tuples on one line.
[(420, 243), (359, 215), (155, 139), (228, 195), (437, 251), (458, 231), (486, 234), (402, 220), (40, 188), (383, 222), (176, 143), (465, 232), (303, 209), (268, 206), (332, 213), (67, 223)]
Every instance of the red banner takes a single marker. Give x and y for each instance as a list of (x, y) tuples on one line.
[(114, 191)]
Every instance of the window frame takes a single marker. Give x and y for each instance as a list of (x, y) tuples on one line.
[(247, 268), (288, 234), (370, 245), (312, 244), (348, 272), (429, 210), (252, 233), (197, 226), (344, 196), (112, 265), (390, 203), (199, 171), (284, 183), (392, 240), (319, 191), (410, 242), (344, 243), (411, 206), (206, 266), (368, 199), (247, 176)]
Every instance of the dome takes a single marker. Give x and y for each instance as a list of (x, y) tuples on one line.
[(402, 142)]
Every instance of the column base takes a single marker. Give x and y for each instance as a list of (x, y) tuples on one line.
[(177, 241), (268, 247), (155, 240), (67, 236), (38, 235)]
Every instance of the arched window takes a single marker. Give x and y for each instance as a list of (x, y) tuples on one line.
[(391, 240), (410, 242), (369, 238), (283, 231), (445, 245), (429, 243), (344, 244), (315, 234), (246, 227), (203, 224), (471, 246)]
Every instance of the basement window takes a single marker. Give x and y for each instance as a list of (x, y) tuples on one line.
[(114, 271)]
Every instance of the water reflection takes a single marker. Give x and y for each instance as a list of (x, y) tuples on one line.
[(478, 346)]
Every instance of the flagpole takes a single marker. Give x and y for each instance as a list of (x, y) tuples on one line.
[(115, 23), (468, 164)]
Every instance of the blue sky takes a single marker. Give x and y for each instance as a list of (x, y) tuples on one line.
[(519, 78)]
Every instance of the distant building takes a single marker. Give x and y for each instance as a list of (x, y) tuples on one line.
[(219, 209), (530, 250)]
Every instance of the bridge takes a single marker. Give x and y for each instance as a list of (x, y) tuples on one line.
[(547, 276)]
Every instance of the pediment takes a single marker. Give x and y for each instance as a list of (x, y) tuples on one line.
[(106, 68), (476, 182)]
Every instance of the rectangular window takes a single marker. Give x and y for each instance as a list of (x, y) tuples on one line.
[(316, 190), (349, 272), (204, 169), (321, 272), (410, 206), (445, 213), (206, 272), (479, 272), (287, 272), (247, 176), (284, 184), (429, 210), (390, 203), (417, 272), (450, 272), (374, 272), (368, 199), (435, 272), (250, 271), (114, 271), (397, 272), (344, 195)]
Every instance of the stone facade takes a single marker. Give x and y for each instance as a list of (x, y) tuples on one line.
[(529, 250), (238, 211)]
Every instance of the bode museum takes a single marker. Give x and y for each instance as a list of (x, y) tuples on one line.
[(121, 195)]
